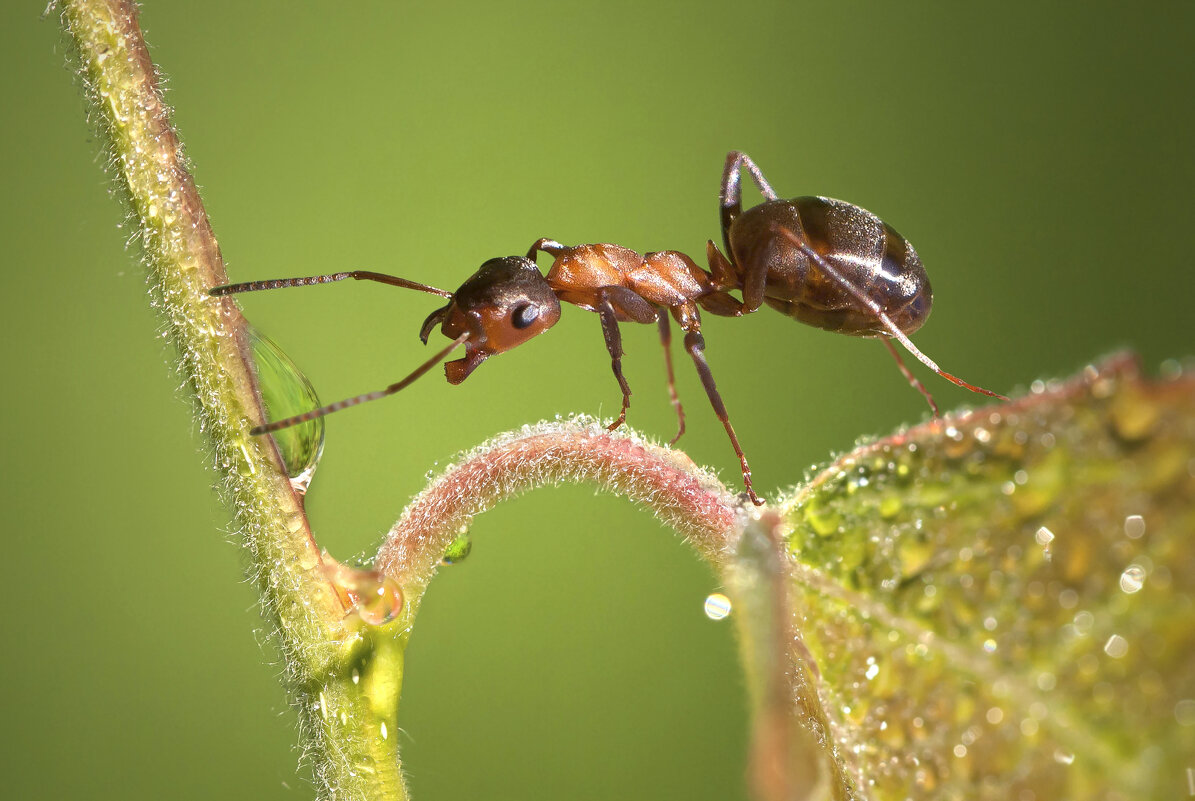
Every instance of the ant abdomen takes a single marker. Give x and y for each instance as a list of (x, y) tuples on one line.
[(770, 243)]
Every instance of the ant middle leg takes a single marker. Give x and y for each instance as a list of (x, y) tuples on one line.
[(666, 341)]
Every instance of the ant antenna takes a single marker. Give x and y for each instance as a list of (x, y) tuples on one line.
[(278, 425), (875, 309), (360, 275)]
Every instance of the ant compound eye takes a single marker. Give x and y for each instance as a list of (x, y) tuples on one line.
[(524, 315)]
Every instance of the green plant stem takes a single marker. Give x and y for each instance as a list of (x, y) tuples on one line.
[(184, 261), (343, 667)]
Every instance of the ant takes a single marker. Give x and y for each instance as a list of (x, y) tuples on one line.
[(824, 262)]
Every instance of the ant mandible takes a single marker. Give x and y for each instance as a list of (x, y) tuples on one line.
[(824, 262)]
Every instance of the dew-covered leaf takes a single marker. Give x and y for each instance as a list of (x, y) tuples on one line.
[(1001, 604)]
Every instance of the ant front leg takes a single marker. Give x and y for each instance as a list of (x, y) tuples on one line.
[(731, 196), (612, 304), (614, 344)]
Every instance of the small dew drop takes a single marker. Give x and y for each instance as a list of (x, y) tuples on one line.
[(1132, 579), (1063, 757), (873, 670), (285, 391), (995, 715), (460, 547), (356, 676), (1116, 646), (1134, 527), (1044, 536), (717, 606), (989, 646), (960, 750), (1037, 387), (1184, 712), (1021, 478), (384, 731)]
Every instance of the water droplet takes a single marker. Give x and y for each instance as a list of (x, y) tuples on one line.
[(1134, 527), (1116, 646), (380, 603), (460, 547), (384, 731), (717, 606), (1063, 757), (1184, 712), (1044, 536), (356, 676), (995, 715), (1132, 579), (285, 391)]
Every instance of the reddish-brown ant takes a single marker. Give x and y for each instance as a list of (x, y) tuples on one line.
[(824, 262)]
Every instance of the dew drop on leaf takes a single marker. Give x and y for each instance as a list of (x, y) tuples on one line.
[(285, 391)]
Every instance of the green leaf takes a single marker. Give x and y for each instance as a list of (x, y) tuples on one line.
[(1001, 604)]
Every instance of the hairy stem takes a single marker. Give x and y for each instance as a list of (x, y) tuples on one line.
[(342, 631), (212, 339), (681, 494)]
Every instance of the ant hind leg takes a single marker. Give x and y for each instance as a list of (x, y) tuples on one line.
[(912, 379), (870, 304), (695, 345), (731, 195)]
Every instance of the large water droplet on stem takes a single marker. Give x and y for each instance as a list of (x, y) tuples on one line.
[(285, 392)]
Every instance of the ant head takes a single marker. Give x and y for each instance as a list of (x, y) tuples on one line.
[(504, 304)]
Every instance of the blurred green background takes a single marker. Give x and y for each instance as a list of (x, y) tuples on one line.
[(1037, 155)]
